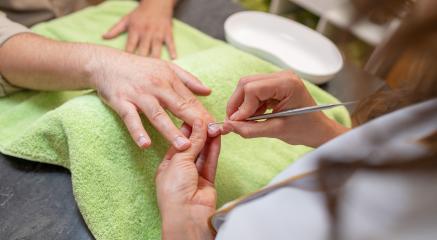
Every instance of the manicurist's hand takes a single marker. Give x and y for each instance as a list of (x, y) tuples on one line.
[(278, 91), (149, 27), (185, 186)]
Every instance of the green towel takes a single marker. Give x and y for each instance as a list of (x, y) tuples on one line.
[(113, 180)]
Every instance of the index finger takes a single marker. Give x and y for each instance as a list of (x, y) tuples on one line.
[(182, 103), (237, 97)]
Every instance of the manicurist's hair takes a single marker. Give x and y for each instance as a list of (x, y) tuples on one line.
[(406, 61)]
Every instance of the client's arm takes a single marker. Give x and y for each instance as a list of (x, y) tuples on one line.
[(128, 83), (149, 26), (185, 187), (278, 91)]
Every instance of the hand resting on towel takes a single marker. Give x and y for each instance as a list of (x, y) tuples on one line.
[(128, 83), (149, 26)]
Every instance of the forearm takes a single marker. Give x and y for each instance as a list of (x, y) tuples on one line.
[(328, 130), (170, 4), (34, 62)]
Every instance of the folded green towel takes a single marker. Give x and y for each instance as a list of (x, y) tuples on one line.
[(113, 180)]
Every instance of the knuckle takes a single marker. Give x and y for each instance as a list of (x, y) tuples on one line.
[(155, 81), (186, 104), (157, 114), (243, 81), (291, 76), (159, 38), (126, 115), (248, 88)]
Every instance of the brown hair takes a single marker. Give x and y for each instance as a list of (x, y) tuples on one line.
[(406, 61), (407, 64)]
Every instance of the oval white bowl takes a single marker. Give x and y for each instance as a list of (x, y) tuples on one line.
[(285, 43)]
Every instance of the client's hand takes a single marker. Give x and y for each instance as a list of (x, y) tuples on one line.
[(132, 84), (149, 26), (185, 186), (278, 91)]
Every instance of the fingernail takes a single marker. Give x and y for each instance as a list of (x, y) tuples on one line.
[(181, 142), (213, 129), (143, 141)]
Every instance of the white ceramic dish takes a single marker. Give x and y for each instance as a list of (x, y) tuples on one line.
[(285, 43)]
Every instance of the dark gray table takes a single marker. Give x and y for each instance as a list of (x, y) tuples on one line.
[(36, 200)]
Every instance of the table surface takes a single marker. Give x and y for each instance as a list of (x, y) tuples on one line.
[(36, 200)]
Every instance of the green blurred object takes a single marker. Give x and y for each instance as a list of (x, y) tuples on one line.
[(258, 5)]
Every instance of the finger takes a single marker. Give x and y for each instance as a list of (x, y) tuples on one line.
[(197, 138), (117, 29), (162, 122), (132, 41), (190, 108), (238, 96), (156, 48), (184, 105), (198, 109), (144, 46), (256, 93), (253, 129), (169, 42), (129, 115), (186, 130), (248, 107), (209, 165), (261, 110), (192, 82), (234, 101)]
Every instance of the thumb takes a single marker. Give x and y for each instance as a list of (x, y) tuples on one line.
[(252, 129), (192, 82), (198, 138), (117, 29)]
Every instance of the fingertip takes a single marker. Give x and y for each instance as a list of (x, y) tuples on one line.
[(173, 55), (204, 91), (213, 130), (234, 116), (181, 143), (144, 141)]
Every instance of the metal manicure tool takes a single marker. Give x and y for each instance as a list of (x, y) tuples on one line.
[(292, 112)]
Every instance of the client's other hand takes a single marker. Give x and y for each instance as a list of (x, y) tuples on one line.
[(185, 186), (131, 84), (149, 26), (278, 91)]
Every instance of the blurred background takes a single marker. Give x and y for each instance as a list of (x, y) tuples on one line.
[(331, 18)]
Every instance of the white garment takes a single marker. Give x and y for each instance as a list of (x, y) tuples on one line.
[(375, 205)]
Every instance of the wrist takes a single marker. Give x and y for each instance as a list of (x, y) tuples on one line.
[(179, 223), (98, 60), (166, 4), (329, 129)]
